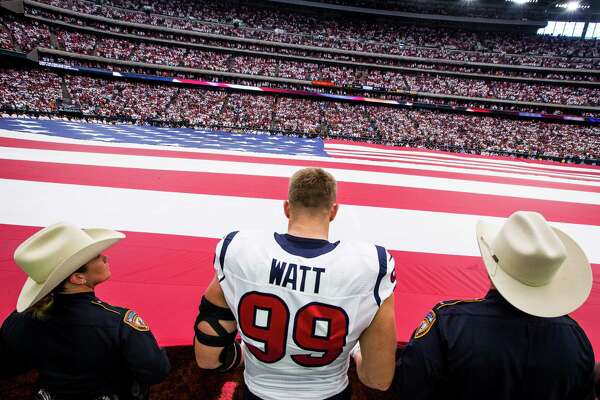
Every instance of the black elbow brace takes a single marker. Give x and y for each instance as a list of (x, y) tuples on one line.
[(211, 314), (231, 355)]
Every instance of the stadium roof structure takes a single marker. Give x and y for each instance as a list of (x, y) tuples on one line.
[(521, 10)]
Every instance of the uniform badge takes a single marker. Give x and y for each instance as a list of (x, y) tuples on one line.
[(425, 325), (135, 321)]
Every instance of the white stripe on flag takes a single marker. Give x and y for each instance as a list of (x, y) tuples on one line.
[(440, 155), (278, 170), (39, 204)]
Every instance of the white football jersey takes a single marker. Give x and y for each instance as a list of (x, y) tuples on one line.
[(301, 305)]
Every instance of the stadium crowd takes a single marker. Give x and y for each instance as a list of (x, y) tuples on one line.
[(27, 35), (85, 43), (343, 76), (342, 33), (20, 90), (145, 103)]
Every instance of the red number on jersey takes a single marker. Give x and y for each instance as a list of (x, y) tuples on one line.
[(318, 327), (322, 328), (273, 334)]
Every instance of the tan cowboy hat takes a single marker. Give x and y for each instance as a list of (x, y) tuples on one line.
[(537, 268), (52, 254)]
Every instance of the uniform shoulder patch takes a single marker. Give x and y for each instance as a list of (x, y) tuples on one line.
[(425, 325), (133, 319)]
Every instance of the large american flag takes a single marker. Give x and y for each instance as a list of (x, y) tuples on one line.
[(175, 192)]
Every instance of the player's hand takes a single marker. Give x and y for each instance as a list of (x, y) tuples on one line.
[(355, 351)]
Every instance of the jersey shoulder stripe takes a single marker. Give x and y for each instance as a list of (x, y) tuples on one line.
[(226, 242), (382, 257)]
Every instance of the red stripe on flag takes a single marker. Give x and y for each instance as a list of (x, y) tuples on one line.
[(31, 144), (470, 157), (276, 188)]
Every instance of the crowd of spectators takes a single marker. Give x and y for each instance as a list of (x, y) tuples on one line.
[(6, 41), (26, 35), (248, 111), (156, 54), (343, 76), (33, 90), (29, 90), (298, 115), (459, 132), (179, 55), (115, 98), (196, 107), (404, 96), (76, 42), (354, 121), (522, 73), (280, 25), (30, 34), (115, 48)]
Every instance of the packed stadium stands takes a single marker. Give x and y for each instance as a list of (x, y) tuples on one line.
[(410, 41), (148, 103), (308, 71), (444, 69)]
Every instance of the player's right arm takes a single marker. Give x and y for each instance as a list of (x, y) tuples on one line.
[(375, 361), (214, 343), (215, 327)]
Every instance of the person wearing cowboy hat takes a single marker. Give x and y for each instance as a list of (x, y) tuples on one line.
[(518, 342), (82, 347)]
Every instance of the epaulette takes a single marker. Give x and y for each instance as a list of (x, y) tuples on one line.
[(447, 303), (106, 306), (130, 317), (429, 320)]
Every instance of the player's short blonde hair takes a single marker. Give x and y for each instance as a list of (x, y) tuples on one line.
[(312, 188)]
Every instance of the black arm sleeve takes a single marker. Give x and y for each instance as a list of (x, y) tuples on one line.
[(144, 359)]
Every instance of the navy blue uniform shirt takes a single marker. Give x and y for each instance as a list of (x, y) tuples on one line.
[(85, 348), (488, 349)]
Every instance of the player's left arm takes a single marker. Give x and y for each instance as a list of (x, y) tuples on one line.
[(376, 356), (215, 331), (377, 350)]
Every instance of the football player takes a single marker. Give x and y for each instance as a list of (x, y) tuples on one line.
[(300, 303)]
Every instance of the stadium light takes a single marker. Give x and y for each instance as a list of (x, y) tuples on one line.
[(572, 5), (520, 1)]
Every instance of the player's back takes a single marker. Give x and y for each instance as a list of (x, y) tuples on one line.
[(301, 305)]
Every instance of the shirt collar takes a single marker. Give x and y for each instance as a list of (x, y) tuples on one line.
[(75, 296)]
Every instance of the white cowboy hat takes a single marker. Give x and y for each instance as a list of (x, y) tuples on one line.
[(50, 255), (537, 268)]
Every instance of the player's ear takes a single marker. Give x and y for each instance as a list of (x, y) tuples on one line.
[(333, 211), (286, 209)]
